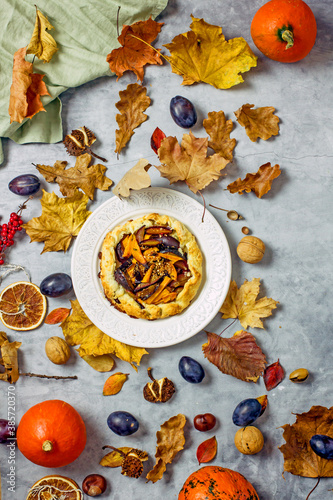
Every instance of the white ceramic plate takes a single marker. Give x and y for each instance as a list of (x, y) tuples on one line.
[(216, 268)]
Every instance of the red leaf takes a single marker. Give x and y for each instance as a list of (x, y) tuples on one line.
[(156, 139), (207, 450), (273, 375), (57, 316)]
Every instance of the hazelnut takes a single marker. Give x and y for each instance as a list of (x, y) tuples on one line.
[(249, 440), (251, 249), (57, 350), (94, 485)]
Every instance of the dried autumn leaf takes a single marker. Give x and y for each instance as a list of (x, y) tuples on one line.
[(239, 356), (189, 162), (218, 128), (259, 123), (133, 102), (42, 44), (170, 440), (273, 375), (8, 359), (136, 178), (156, 139), (242, 304), (299, 458), (26, 89), (115, 458), (61, 220), (207, 450), (204, 55), (78, 329), (114, 384), (102, 363), (81, 176), (260, 183), (134, 54), (57, 316), (263, 400)]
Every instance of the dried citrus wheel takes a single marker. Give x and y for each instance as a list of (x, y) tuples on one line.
[(22, 306), (50, 487)]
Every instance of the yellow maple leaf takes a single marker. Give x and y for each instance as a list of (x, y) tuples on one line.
[(79, 330), (42, 44), (218, 128), (204, 55), (242, 304), (189, 162), (136, 178), (61, 220), (81, 176), (259, 123), (133, 102)]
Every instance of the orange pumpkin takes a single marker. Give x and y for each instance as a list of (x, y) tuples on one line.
[(213, 482), (284, 30), (51, 434)]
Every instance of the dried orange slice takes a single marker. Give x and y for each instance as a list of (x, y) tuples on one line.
[(22, 306), (51, 487)]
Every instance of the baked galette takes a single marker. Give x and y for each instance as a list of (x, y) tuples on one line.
[(151, 267)]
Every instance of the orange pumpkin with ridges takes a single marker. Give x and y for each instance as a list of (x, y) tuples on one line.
[(284, 30), (51, 434), (217, 483)]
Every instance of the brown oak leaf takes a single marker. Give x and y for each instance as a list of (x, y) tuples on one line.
[(170, 440), (299, 458), (189, 162), (260, 183), (8, 359), (242, 304), (81, 176), (26, 89), (61, 220), (218, 128), (136, 178), (259, 123), (134, 54), (133, 102), (239, 356)]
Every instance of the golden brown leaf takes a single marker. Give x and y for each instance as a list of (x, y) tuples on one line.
[(299, 458), (134, 54), (259, 123), (239, 356), (81, 176), (263, 400), (114, 383), (189, 162), (242, 304), (115, 458), (57, 316), (133, 102), (136, 178), (204, 55), (79, 330), (218, 128), (207, 450), (8, 359), (260, 183), (42, 44), (26, 89), (61, 220), (102, 363), (170, 440)]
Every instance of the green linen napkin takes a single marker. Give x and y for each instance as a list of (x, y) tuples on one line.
[(85, 32)]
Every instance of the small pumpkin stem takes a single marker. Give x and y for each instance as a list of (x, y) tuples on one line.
[(288, 36), (47, 445)]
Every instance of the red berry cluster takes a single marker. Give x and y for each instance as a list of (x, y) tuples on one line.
[(7, 233)]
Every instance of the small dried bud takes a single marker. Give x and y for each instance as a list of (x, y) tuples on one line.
[(158, 391), (299, 375), (245, 230)]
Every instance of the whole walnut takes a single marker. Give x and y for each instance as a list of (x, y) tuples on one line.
[(251, 249), (57, 350), (249, 440)]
